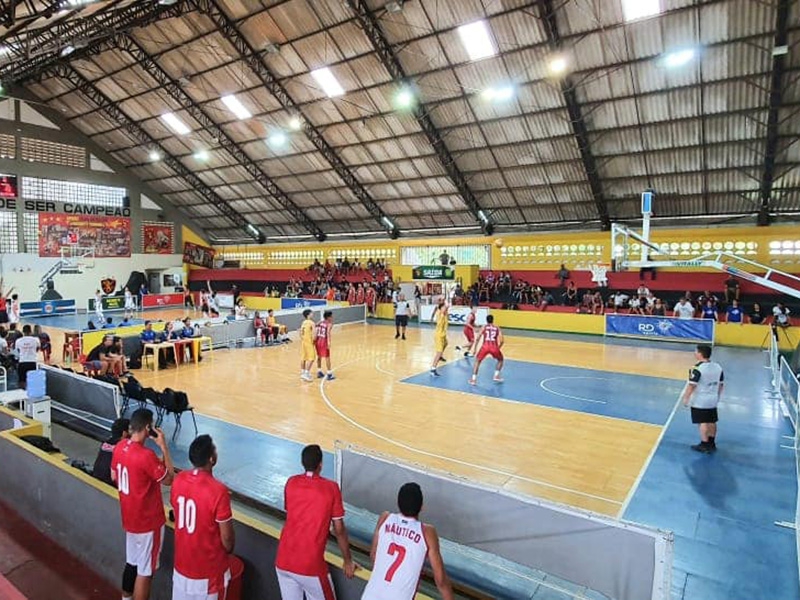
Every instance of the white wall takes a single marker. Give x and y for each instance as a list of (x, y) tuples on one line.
[(25, 271)]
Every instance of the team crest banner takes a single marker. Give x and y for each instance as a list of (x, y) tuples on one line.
[(661, 328), (109, 236), (202, 256), (435, 272)]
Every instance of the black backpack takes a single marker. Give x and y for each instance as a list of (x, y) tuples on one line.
[(135, 361), (174, 401)]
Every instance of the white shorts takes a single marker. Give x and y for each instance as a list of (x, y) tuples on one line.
[(184, 588), (293, 586), (130, 305), (143, 551)]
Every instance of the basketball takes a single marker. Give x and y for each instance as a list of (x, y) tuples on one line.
[(499, 242)]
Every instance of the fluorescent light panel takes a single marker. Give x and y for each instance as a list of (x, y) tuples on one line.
[(175, 124), (236, 107), (640, 9), (327, 81), (476, 40), (679, 57)]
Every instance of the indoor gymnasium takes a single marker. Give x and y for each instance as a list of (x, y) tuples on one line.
[(387, 299)]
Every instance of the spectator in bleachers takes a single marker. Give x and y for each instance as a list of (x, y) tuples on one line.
[(731, 289), (562, 275), (659, 310), (734, 314), (619, 300), (547, 300), (311, 503), (570, 296), (636, 306), (704, 298), (756, 317), (642, 291), (683, 309), (109, 324), (44, 343), (536, 294), (102, 464), (780, 315), (587, 303), (444, 258), (598, 305), (709, 310)]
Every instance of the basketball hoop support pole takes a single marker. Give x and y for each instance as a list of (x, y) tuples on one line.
[(648, 196)]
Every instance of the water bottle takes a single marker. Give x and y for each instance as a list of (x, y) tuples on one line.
[(36, 384)]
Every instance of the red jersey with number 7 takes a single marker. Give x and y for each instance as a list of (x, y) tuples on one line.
[(399, 557)]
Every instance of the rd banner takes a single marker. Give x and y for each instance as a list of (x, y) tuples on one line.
[(110, 236), (664, 328)]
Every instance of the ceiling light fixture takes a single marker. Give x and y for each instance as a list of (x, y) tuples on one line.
[(327, 81), (66, 50), (395, 6), (476, 40), (272, 48), (155, 155), (634, 10), (498, 94), (295, 123), (202, 155), (557, 65), (679, 58), (236, 107), (404, 99), (175, 124), (277, 140)]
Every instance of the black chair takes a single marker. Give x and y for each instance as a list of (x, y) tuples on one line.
[(132, 390), (153, 397), (176, 403)]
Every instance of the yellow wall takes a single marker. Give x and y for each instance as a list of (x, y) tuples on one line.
[(261, 303), (545, 251), (754, 336)]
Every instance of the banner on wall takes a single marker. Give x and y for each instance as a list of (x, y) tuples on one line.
[(202, 256), (437, 272), (157, 238), (158, 300), (110, 303), (457, 315), (301, 302), (109, 236), (661, 328), (47, 308)]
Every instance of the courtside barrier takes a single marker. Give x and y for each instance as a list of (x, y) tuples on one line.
[(111, 303), (161, 300), (47, 308), (619, 559), (287, 303), (78, 394), (82, 515), (660, 328)]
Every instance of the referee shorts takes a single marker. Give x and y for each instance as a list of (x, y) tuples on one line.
[(401, 320), (704, 415)]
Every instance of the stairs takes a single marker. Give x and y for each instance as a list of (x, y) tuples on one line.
[(52, 272)]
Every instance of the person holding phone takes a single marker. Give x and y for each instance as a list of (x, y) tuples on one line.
[(139, 474)]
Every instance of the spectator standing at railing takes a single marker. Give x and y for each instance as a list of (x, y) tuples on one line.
[(780, 315), (312, 503), (709, 310), (731, 289), (683, 309), (562, 275), (571, 294), (756, 316), (734, 313)]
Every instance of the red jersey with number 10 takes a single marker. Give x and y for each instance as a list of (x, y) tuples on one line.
[(138, 473), (200, 503)]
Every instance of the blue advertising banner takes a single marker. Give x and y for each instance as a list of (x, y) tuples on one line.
[(661, 328), (47, 308), (301, 302)]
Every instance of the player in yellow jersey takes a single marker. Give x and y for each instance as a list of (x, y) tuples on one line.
[(440, 335), (307, 346)]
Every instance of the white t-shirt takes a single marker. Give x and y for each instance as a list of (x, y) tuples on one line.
[(707, 377), (781, 316), (619, 299), (27, 348), (643, 291), (401, 308), (13, 311), (684, 311)]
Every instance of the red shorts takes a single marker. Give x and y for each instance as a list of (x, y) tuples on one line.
[(493, 352), (322, 349), (469, 333)]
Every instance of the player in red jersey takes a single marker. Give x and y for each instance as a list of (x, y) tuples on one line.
[(311, 503), (469, 332), (372, 300), (204, 535), (322, 344), (351, 295), (139, 474), (360, 294), (492, 345)]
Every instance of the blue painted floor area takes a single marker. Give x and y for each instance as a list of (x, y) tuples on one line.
[(79, 322), (722, 507), (630, 397)]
